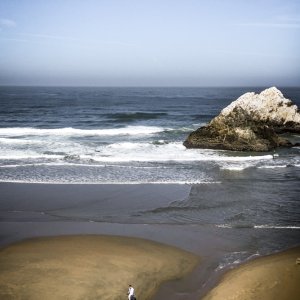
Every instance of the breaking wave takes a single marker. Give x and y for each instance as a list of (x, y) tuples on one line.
[(266, 226), (153, 151), (128, 130)]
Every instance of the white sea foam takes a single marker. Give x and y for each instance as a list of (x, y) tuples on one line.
[(16, 166), (12, 141), (273, 167), (234, 258), (276, 227), (295, 165), (224, 226), (128, 152), (128, 130), (261, 226), (25, 156), (236, 168), (32, 143), (133, 182), (247, 158), (79, 164)]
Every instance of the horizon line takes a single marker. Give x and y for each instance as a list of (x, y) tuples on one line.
[(147, 86)]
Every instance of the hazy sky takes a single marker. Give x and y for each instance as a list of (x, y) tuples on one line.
[(156, 43)]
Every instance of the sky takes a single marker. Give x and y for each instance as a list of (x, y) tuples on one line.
[(150, 43)]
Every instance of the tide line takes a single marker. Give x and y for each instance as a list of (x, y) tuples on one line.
[(109, 182), (258, 226)]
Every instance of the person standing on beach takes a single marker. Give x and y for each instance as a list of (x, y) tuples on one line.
[(130, 293)]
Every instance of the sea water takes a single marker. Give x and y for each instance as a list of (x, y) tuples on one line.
[(134, 136), (120, 135)]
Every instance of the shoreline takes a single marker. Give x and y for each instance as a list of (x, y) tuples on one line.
[(89, 266), (274, 276)]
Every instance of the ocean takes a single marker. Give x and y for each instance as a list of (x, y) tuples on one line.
[(121, 135), (116, 137)]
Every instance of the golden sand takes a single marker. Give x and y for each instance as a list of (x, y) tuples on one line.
[(88, 267), (274, 277)]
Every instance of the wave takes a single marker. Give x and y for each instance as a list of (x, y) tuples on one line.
[(159, 151), (30, 135), (279, 166), (127, 117), (236, 168), (235, 258), (19, 141), (69, 131), (163, 152), (272, 167), (177, 131), (20, 156), (80, 164), (112, 182), (276, 227), (258, 226)]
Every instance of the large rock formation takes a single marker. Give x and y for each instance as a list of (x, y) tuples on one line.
[(251, 123)]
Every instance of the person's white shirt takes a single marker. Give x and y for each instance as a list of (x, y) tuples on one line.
[(130, 292)]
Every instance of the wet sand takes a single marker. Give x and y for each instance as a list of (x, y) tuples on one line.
[(88, 267), (44, 210), (272, 277)]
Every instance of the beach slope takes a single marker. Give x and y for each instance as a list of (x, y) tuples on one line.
[(272, 277), (88, 267)]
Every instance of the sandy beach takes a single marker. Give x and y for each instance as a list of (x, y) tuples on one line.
[(272, 277), (88, 267), (101, 267)]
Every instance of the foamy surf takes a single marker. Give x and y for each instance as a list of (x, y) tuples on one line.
[(161, 151), (128, 130), (278, 166), (266, 226), (27, 156), (138, 154), (235, 258), (276, 227), (140, 182)]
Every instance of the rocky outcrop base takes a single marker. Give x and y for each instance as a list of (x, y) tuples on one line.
[(251, 123)]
